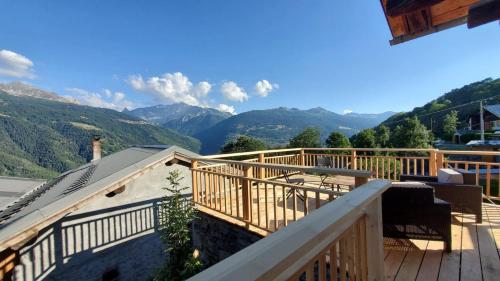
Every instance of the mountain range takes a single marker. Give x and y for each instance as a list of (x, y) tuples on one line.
[(276, 126), (42, 137), (43, 134), (186, 119)]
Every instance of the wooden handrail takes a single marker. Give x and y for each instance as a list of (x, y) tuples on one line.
[(285, 253), (377, 149), (270, 182), (227, 155), (373, 149), (331, 171), (470, 152)]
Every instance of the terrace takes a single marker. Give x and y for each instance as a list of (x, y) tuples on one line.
[(334, 217)]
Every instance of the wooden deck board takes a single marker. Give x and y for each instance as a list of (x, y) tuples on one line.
[(474, 255), (429, 269)]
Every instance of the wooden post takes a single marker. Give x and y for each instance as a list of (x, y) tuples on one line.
[(374, 241), (302, 158), (354, 165), (360, 181), (439, 161), (433, 163), (245, 191), (194, 166), (262, 171)]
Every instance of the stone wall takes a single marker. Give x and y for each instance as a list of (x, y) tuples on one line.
[(217, 239)]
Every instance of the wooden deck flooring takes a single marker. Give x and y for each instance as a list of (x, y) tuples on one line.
[(475, 254), (475, 247)]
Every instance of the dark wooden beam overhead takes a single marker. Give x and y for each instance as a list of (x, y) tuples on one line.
[(400, 7), (483, 12)]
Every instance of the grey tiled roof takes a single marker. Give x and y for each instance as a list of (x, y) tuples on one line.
[(494, 109), (13, 188), (58, 193)]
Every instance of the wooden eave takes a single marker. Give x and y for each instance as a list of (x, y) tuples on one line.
[(409, 24)]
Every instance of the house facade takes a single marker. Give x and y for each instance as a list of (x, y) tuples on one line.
[(96, 222), (491, 118)]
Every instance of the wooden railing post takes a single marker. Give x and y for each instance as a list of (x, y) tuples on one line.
[(439, 161), (302, 158), (354, 165), (245, 191), (360, 181), (374, 241), (432, 163), (262, 171), (194, 166)]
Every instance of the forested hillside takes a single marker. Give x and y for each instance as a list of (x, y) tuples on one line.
[(41, 138), (463, 100), (276, 126)]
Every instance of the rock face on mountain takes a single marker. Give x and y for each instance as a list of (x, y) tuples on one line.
[(186, 119), (25, 90), (277, 126)]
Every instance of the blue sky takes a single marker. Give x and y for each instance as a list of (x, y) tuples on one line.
[(333, 54)]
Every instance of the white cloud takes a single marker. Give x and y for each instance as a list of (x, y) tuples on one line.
[(263, 88), (347, 111), (106, 99), (231, 91), (202, 89), (118, 97), (15, 65), (172, 88), (137, 82), (226, 108)]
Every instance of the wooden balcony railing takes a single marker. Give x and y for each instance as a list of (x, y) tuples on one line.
[(383, 163), (343, 238), (241, 190)]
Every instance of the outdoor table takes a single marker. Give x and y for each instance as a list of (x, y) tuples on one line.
[(324, 173)]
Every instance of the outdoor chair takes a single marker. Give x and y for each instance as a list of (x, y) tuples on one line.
[(298, 181), (465, 198), (326, 162), (411, 211)]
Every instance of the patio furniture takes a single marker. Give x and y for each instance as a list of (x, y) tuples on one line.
[(466, 198), (411, 211), (326, 162), (298, 181)]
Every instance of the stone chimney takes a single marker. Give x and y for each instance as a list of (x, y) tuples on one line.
[(96, 148)]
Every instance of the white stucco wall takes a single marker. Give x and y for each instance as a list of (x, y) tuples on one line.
[(109, 233)]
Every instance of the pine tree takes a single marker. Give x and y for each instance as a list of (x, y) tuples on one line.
[(175, 221)]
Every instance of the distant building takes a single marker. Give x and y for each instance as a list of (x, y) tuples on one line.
[(96, 222), (491, 119), (487, 145)]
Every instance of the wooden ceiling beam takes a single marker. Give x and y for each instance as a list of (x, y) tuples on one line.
[(483, 12), (400, 7)]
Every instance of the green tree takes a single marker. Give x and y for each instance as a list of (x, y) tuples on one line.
[(175, 220), (365, 139), (411, 134), (309, 137), (383, 135), (450, 124), (243, 144), (336, 139)]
